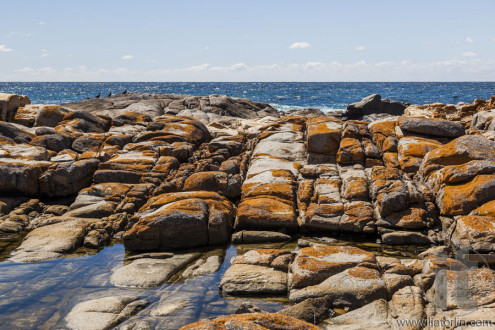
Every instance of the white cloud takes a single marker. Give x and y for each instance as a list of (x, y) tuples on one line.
[(493, 39), (202, 67), (238, 66), (25, 69), (47, 69), (127, 57), (4, 49), (469, 54), (469, 40), (19, 34), (207, 48), (120, 70), (359, 48), (45, 55), (42, 23), (300, 44)]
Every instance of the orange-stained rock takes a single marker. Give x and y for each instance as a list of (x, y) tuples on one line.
[(50, 115), (181, 220), (477, 286), (389, 144), (283, 190), (412, 150), (316, 263), (487, 209), (252, 321), (220, 182), (356, 188), (460, 151), (353, 287), (274, 258), (323, 135), (475, 232), (381, 129), (265, 213), (358, 217), (463, 198), (350, 151), (411, 218), (390, 159), (324, 217)]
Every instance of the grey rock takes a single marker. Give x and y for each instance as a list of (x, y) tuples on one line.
[(374, 104), (254, 237), (251, 280), (202, 267), (103, 313), (371, 316), (148, 273), (428, 126), (312, 310)]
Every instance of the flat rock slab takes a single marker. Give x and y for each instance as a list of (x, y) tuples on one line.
[(315, 264), (354, 287), (253, 236), (249, 280), (52, 241), (148, 272), (103, 313), (203, 266), (371, 316)]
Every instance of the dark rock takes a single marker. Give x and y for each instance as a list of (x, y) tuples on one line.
[(374, 104), (435, 127), (14, 133)]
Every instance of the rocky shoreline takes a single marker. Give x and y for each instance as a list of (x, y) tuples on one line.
[(172, 174)]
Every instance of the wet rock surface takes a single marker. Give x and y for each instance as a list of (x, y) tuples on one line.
[(172, 180)]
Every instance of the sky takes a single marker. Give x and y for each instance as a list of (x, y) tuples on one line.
[(226, 40)]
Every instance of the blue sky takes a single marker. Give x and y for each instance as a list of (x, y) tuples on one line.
[(198, 40)]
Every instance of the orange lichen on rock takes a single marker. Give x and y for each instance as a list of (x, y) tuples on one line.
[(315, 264), (323, 135), (265, 213), (252, 321), (463, 198), (350, 151)]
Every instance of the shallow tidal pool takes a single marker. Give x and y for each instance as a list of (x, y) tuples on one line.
[(39, 295)]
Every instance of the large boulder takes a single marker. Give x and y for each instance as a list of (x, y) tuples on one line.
[(9, 104), (374, 104), (354, 287), (461, 174), (150, 272), (323, 135), (53, 241), (316, 263), (181, 220), (435, 127)]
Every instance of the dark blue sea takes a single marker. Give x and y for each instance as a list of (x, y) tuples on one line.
[(281, 95)]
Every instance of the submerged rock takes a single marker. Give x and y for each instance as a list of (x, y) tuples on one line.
[(148, 273), (103, 313)]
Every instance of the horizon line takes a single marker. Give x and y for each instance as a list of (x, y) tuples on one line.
[(278, 81)]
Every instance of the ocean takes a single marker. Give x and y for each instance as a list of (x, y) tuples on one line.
[(326, 96)]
